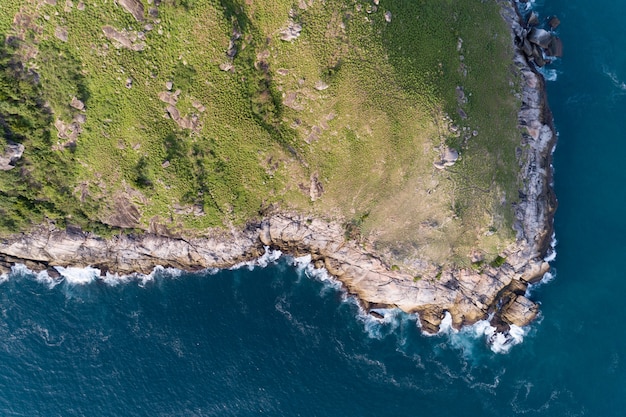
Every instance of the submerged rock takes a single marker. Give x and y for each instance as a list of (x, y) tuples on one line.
[(553, 22), (556, 47)]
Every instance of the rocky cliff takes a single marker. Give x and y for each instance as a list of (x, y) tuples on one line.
[(469, 295)]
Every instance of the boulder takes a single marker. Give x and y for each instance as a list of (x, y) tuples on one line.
[(134, 7), (540, 37), (291, 32), (520, 311)]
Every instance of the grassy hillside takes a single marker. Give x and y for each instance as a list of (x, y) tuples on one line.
[(182, 115)]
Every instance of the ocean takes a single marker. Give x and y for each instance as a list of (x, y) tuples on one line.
[(281, 341)]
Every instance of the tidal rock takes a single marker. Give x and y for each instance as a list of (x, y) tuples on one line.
[(553, 22), (533, 19), (540, 37), (377, 315)]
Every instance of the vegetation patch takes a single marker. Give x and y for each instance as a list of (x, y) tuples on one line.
[(204, 113)]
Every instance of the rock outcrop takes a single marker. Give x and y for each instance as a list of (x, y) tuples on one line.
[(12, 153), (495, 290)]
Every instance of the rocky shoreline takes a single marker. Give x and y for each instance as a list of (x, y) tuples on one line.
[(468, 295)]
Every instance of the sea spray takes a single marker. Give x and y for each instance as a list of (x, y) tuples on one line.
[(270, 256), (465, 339), (386, 321)]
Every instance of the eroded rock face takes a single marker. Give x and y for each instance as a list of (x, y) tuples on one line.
[(536, 210)]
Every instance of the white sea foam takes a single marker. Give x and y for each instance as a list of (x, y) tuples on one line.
[(551, 256), (78, 276), (392, 320), (44, 278), (269, 257), (303, 265), (547, 277), (549, 74), (465, 339)]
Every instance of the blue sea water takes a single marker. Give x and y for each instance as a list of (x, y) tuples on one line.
[(273, 341)]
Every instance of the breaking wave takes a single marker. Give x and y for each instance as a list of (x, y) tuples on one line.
[(549, 74), (378, 323)]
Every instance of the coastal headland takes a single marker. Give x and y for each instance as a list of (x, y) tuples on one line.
[(356, 249)]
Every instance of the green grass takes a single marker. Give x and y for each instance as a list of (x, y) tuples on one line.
[(370, 138)]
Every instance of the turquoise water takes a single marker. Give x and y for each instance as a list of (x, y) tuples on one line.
[(275, 342)]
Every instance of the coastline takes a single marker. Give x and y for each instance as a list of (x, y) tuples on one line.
[(467, 295)]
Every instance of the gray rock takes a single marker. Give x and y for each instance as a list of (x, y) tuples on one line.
[(553, 22), (12, 153), (450, 156), (540, 37), (321, 86), (556, 47), (61, 33), (291, 32)]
